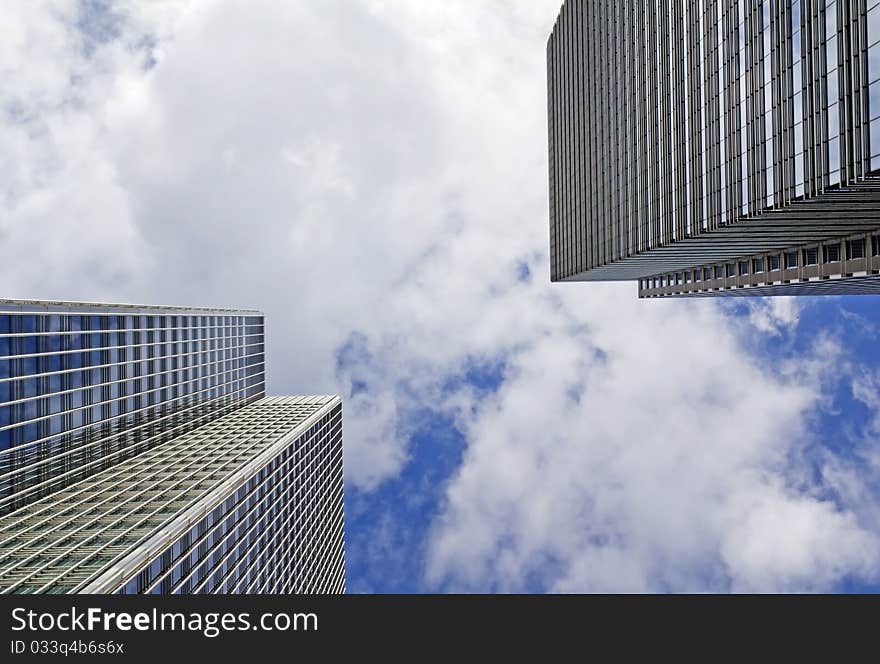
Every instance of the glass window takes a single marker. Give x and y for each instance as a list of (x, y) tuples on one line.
[(830, 19), (834, 161), (874, 63), (743, 268), (791, 259), (731, 270), (875, 245), (855, 249), (874, 103), (758, 265), (774, 263), (832, 87), (833, 121), (874, 24), (832, 252), (811, 256)]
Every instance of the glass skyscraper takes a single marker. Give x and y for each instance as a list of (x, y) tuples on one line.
[(139, 453), (716, 147)]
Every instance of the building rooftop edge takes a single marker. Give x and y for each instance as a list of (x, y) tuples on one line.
[(109, 580), (119, 305)]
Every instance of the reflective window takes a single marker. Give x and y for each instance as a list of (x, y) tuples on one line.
[(855, 249), (832, 252)]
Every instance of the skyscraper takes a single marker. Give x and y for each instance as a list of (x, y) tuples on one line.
[(139, 453), (716, 147)]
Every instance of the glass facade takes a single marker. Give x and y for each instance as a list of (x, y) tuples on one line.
[(251, 502), (83, 387), (279, 532), (687, 131)]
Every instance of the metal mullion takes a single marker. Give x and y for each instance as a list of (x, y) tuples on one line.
[(57, 478), (116, 364), (207, 452), (329, 463), (301, 502), (20, 448), (123, 347), (255, 490), (322, 471), (229, 398), (301, 409), (307, 577), (114, 400), (117, 309), (332, 567), (62, 333), (173, 444), (302, 471), (180, 442), (324, 524), (115, 382), (318, 549), (294, 577), (158, 473)]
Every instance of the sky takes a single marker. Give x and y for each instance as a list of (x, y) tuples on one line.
[(372, 175)]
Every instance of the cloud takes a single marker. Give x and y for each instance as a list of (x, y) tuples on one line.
[(774, 315), (373, 176), (672, 461)]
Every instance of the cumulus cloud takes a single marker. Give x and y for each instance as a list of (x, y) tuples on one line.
[(373, 176), (670, 461), (774, 315)]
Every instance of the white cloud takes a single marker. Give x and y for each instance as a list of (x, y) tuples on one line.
[(373, 176), (774, 315), (672, 461)]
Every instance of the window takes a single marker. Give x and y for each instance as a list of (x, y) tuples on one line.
[(697, 275), (707, 274), (832, 252), (791, 259), (875, 245), (678, 278), (774, 262), (743, 268), (855, 249), (758, 265), (811, 256), (731, 270), (719, 274)]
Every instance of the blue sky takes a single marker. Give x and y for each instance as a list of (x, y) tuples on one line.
[(388, 529), (372, 175)]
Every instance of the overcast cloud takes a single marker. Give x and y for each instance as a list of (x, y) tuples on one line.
[(372, 175)]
